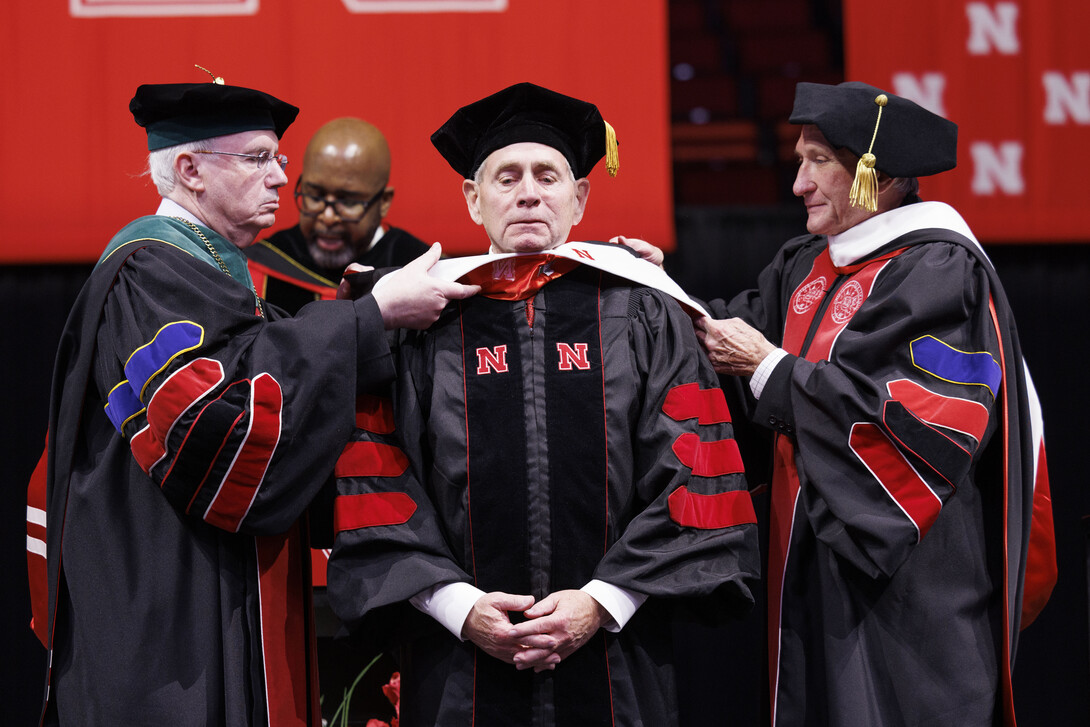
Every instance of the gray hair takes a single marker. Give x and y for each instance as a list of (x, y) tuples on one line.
[(161, 164), (907, 186)]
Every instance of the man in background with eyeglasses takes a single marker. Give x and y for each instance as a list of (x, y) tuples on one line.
[(191, 426), (343, 197)]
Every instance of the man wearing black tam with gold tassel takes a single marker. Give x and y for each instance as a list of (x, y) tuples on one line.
[(558, 473), (191, 426), (883, 357)]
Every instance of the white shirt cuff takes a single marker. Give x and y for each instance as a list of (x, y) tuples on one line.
[(764, 370), (449, 604), (620, 602)]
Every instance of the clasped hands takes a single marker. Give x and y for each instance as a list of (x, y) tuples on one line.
[(555, 627)]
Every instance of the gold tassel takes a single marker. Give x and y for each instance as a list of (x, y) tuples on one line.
[(613, 156), (865, 186), (215, 79)]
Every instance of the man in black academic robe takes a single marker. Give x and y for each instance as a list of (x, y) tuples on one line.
[(909, 464), (557, 475), (190, 428)]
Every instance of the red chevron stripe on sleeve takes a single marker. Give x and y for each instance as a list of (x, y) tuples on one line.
[(371, 459), (689, 401), (371, 509), (146, 449), (960, 415), (708, 459), (181, 390), (894, 473), (374, 414), (240, 485), (707, 512)]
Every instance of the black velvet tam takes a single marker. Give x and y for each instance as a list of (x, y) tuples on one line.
[(177, 113), (911, 141), (523, 113)]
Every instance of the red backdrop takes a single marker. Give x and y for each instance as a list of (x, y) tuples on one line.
[(1015, 76), (73, 157)]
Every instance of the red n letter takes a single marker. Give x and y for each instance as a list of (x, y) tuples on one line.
[(576, 356), (495, 360), (582, 253)]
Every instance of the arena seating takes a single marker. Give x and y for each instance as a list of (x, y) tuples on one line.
[(734, 65)]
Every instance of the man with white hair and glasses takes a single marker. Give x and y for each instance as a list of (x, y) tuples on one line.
[(190, 428)]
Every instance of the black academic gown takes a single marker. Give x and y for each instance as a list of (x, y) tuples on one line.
[(188, 435), (576, 433), (903, 482)]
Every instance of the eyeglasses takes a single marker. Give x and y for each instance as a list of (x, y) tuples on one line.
[(261, 160), (348, 209)]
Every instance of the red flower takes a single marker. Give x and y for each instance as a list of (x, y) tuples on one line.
[(392, 690)]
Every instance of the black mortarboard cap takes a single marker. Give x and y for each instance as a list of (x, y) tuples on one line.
[(908, 140), (526, 112), (177, 113)]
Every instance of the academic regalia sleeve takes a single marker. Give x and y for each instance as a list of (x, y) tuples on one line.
[(389, 545), (694, 532), (237, 419), (891, 426)]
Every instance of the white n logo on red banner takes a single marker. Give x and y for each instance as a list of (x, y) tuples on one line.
[(1067, 100), (927, 90), (993, 29), (997, 168)]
